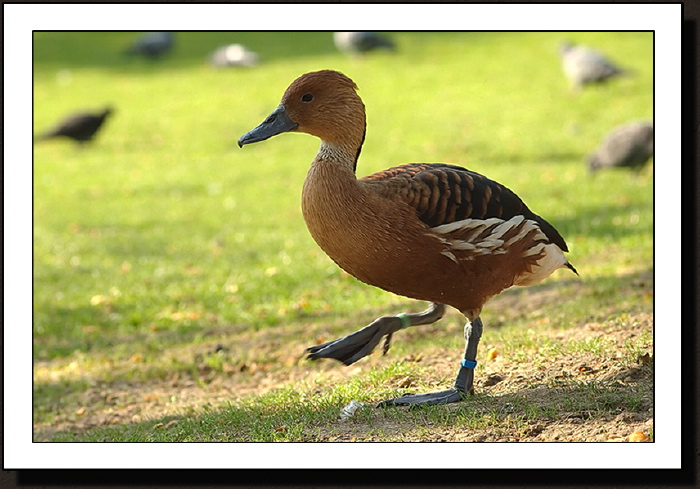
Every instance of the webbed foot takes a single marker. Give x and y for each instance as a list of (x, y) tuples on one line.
[(352, 347), (429, 399)]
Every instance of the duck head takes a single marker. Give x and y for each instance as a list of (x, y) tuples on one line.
[(324, 104)]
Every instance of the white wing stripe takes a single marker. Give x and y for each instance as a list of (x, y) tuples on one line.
[(506, 225), (466, 224), (491, 243)]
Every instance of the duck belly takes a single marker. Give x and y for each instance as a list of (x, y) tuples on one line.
[(397, 253)]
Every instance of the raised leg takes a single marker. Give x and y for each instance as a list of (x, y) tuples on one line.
[(464, 383), (351, 348)]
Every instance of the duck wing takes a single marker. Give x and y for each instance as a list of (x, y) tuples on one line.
[(443, 194)]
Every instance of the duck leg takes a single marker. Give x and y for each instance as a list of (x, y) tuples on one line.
[(464, 383), (352, 347)]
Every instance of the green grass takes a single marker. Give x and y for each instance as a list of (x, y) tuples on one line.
[(162, 239)]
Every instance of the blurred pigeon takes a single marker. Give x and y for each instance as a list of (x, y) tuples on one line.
[(233, 55), (152, 45), (360, 42), (80, 127), (629, 145), (583, 65)]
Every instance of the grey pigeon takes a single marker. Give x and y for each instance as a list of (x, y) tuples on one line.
[(80, 127), (152, 45), (629, 145), (233, 55), (583, 65), (360, 42)]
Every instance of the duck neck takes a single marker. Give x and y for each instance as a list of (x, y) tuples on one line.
[(331, 199), (331, 186), (344, 150), (331, 182), (338, 156)]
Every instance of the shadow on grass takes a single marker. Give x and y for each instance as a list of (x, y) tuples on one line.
[(488, 156), (599, 222), (195, 362), (520, 301), (488, 415), (566, 401)]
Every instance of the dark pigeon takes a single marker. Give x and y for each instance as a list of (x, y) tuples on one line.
[(152, 45), (360, 42), (629, 145), (80, 127)]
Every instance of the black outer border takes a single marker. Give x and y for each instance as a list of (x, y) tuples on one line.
[(687, 476)]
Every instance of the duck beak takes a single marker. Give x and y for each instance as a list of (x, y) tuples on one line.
[(276, 123)]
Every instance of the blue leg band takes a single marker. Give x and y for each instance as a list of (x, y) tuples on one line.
[(468, 363)]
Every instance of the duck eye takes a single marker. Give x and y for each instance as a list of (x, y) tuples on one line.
[(307, 97)]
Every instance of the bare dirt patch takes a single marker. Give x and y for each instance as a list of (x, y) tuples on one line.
[(515, 389), (509, 388)]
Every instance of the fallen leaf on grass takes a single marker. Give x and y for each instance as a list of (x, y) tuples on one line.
[(180, 315), (639, 436), (98, 300)]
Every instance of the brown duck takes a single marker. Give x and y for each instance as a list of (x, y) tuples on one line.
[(430, 231)]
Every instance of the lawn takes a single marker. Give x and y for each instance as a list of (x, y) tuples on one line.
[(176, 286)]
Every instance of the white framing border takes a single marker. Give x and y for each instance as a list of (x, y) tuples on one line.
[(21, 20)]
